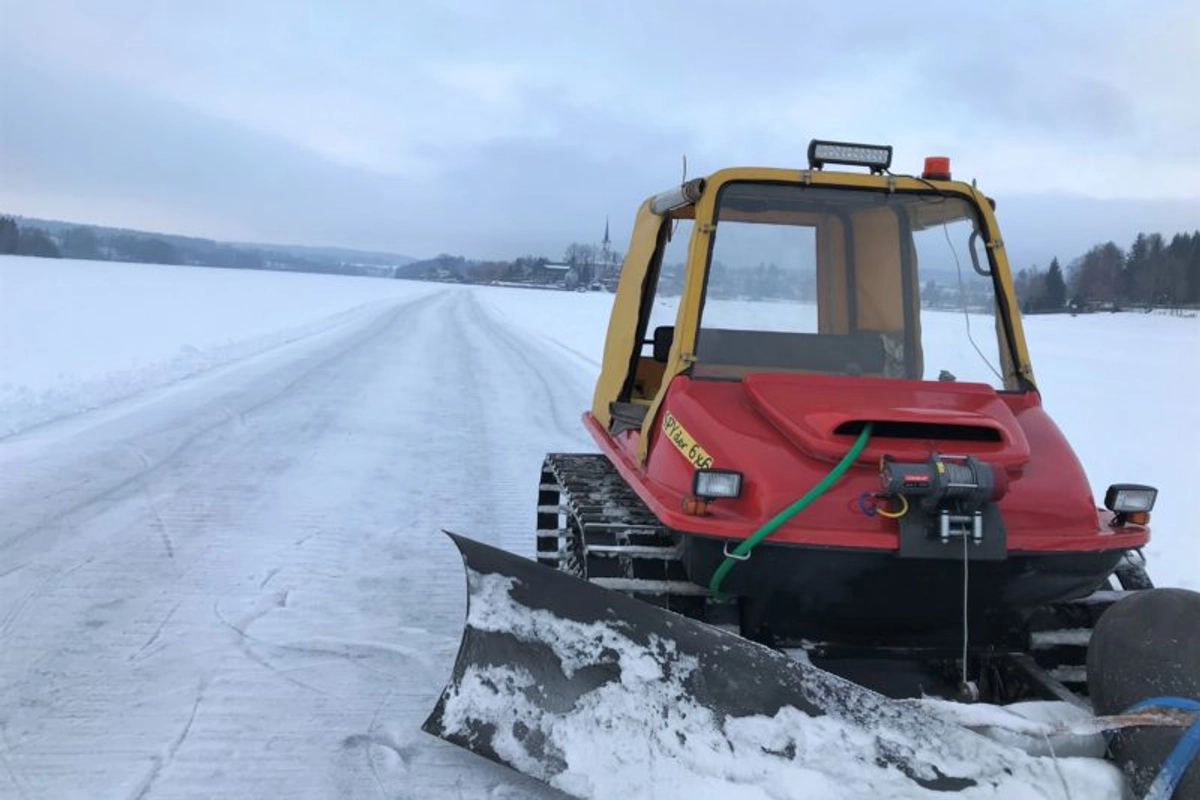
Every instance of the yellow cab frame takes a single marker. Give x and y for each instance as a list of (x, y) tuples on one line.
[(630, 377)]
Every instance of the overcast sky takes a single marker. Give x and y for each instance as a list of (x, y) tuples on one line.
[(494, 129)]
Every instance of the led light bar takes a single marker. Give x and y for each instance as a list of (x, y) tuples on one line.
[(876, 157), (1130, 498), (713, 483)]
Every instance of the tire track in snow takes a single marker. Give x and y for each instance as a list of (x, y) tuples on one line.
[(331, 489), (531, 394), (462, 442), (157, 632), (14, 777), (371, 739), (19, 608), (245, 640), (470, 415), (12, 569), (148, 466), (234, 408), (546, 370), (160, 763)]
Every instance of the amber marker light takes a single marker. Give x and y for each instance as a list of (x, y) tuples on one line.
[(937, 168)]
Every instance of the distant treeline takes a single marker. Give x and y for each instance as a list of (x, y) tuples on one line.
[(583, 266), (1151, 273), (65, 240)]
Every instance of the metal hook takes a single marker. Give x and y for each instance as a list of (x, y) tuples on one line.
[(734, 556)]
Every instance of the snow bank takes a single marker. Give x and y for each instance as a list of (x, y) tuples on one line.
[(79, 335)]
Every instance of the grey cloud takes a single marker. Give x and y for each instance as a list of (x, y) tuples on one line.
[(606, 103), (115, 149), (1012, 97)]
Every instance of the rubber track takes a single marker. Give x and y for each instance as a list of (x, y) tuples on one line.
[(592, 525)]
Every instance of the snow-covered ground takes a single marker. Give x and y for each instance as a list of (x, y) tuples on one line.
[(221, 572)]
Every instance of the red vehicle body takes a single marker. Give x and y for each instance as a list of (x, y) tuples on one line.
[(833, 570)]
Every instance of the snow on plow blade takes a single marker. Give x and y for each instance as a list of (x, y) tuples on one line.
[(601, 695)]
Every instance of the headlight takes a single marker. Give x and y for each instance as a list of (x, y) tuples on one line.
[(875, 157), (1130, 498), (710, 484)]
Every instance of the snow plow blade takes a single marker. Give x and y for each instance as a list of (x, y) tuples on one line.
[(571, 683)]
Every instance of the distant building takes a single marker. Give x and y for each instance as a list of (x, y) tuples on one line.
[(552, 273), (609, 270)]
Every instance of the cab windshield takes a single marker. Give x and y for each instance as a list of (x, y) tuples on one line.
[(850, 282)]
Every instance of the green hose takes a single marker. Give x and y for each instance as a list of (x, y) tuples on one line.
[(743, 549)]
